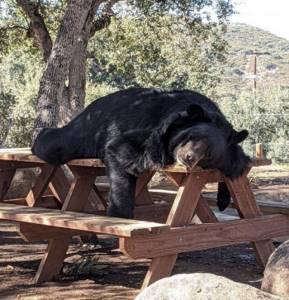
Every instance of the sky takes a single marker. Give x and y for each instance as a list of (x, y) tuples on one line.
[(271, 15)]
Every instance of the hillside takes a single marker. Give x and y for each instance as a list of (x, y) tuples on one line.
[(272, 59)]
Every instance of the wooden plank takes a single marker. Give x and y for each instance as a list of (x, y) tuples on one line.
[(47, 201), (9, 164), (78, 221), (142, 195), (143, 181), (35, 232), (186, 200), (180, 214), (42, 181), (25, 155), (243, 197), (265, 206), (59, 185), (212, 175), (14, 150), (204, 212), (176, 178), (52, 260), (152, 213), (248, 208), (81, 187), (6, 177), (100, 197), (206, 236)]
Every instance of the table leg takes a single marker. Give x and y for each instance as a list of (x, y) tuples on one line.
[(42, 181), (59, 185), (181, 213), (204, 212), (142, 196), (76, 200), (176, 178), (6, 177), (248, 208)]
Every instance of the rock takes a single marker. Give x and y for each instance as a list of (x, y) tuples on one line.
[(271, 67), (276, 274), (201, 286), (8, 269), (238, 72)]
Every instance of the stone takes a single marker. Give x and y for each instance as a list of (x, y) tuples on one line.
[(276, 274), (202, 286), (8, 269)]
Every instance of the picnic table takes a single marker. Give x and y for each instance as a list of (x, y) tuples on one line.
[(79, 208)]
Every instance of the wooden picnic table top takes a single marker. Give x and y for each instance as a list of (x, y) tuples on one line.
[(24, 155)]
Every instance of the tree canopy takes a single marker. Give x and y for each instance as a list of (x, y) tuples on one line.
[(172, 43)]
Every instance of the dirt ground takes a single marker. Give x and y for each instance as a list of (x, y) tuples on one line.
[(100, 271)]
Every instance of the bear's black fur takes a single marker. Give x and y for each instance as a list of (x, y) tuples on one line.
[(139, 129)]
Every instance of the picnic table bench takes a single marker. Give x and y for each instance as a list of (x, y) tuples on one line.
[(147, 236)]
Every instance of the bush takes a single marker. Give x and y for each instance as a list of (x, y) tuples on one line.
[(265, 114), (19, 84)]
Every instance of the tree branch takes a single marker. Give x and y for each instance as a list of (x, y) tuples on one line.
[(37, 28), (105, 18)]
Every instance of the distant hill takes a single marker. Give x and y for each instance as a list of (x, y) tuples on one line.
[(272, 58)]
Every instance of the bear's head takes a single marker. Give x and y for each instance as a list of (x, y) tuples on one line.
[(197, 137)]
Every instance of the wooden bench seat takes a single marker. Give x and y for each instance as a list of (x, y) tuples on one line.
[(79, 221)]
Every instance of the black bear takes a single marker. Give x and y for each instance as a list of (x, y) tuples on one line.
[(139, 129)]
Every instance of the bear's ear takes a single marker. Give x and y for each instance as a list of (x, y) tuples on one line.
[(193, 113), (238, 136), (196, 111)]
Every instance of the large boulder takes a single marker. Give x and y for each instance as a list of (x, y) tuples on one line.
[(276, 274), (201, 286)]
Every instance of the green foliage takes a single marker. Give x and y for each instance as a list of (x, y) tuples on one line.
[(6, 107), (19, 81), (14, 25), (157, 51), (266, 115)]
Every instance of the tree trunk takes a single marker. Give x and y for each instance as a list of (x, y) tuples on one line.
[(73, 100), (56, 72)]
